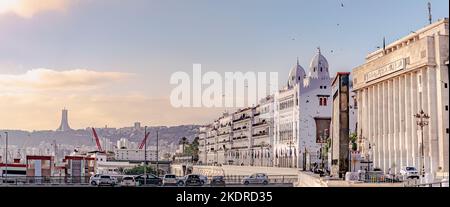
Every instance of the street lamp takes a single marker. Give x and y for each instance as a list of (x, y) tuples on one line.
[(157, 153), (422, 120), (290, 153), (6, 154), (145, 156)]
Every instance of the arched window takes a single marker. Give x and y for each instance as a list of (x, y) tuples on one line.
[(320, 69)]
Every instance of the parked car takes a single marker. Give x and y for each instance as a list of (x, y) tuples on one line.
[(107, 180), (218, 181), (128, 181), (257, 178), (169, 179), (94, 180), (203, 179), (190, 180), (409, 172), (150, 180)]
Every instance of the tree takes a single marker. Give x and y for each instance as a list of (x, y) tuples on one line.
[(192, 149), (138, 170), (184, 141), (353, 138)]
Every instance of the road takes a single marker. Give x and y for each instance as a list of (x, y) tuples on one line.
[(207, 186)]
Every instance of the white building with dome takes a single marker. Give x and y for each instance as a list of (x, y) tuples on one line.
[(302, 115), (287, 129)]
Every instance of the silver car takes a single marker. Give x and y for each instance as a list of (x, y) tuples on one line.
[(409, 172), (257, 178), (107, 180)]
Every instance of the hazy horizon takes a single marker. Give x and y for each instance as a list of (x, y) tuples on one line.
[(109, 62)]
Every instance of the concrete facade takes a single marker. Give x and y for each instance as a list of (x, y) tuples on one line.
[(394, 84)]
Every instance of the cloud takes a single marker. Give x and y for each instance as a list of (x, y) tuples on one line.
[(44, 79), (28, 8)]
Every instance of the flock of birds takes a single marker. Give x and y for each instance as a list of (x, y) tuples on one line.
[(331, 51)]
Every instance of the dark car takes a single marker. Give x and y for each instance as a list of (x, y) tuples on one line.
[(218, 181), (150, 180), (191, 180)]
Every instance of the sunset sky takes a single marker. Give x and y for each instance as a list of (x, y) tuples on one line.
[(109, 61)]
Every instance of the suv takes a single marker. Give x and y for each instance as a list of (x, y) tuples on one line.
[(409, 172), (169, 179), (107, 180), (257, 178)]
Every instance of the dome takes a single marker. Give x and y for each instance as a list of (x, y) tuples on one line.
[(296, 75), (319, 66)]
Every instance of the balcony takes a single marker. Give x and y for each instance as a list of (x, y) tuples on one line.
[(240, 137), (260, 134), (244, 117), (241, 147), (260, 123), (225, 133)]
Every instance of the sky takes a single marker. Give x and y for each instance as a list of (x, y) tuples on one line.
[(109, 61)]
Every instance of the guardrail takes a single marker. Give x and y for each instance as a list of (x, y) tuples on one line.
[(84, 180), (416, 183), (274, 179), (44, 180)]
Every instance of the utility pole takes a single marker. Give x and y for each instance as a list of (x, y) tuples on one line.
[(6, 155), (157, 153), (421, 122), (145, 156)]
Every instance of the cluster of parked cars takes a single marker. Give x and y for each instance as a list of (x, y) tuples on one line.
[(172, 180)]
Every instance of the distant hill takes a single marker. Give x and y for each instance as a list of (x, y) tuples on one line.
[(167, 135)]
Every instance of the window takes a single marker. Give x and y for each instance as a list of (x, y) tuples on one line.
[(324, 87), (320, 101), (320, 69), (320, 87), (324, 101)]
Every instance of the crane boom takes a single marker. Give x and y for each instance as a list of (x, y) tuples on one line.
[(97, 141), (144, 141)]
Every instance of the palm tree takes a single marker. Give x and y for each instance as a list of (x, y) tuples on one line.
[(184, 141)]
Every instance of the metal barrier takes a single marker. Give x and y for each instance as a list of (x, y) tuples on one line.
[(416, 183), (376, 177), (274, 179), (44, 180)]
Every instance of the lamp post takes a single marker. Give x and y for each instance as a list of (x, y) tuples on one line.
[(6, 155), (422, 120), (290, 154), (157, 153), (145, 156)]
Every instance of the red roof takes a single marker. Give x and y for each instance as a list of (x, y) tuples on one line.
[(38, 157), (12, 165)]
